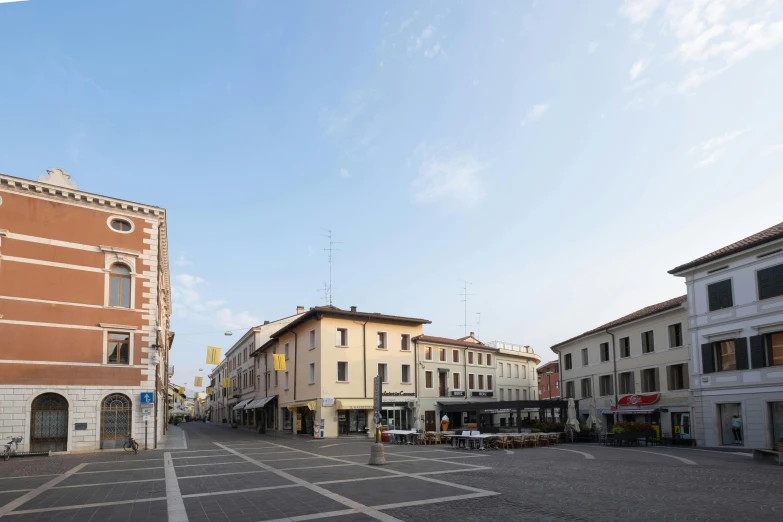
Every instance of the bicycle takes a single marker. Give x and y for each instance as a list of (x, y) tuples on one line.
[(131, 445), (10, 447)]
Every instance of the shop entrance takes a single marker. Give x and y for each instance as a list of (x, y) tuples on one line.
[(351, 421), (429, 420), (396, 417), (681, 425)]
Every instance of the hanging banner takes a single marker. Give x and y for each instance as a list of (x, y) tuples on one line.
[(226, 383), (209, 390), (279, 361), (198, 382), (213, 355), (181, 390)]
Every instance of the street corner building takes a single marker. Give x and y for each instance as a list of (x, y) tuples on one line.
[(84, 316)]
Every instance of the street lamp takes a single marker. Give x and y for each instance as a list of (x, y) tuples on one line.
[(549, 387)]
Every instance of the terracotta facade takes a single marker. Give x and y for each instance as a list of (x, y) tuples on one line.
[(66, 342)]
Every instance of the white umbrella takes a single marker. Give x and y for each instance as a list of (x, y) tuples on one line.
[(592, 419), (572, 423)]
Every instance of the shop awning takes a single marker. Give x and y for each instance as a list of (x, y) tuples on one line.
[(312, 405), (259, 403), (241, 404), (627, 412), (354, 404)]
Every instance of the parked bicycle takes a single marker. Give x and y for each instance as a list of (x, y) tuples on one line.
[(131, 445), (10, 447)]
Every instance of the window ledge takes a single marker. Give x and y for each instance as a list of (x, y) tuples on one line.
[(342, 382), (118, 326)]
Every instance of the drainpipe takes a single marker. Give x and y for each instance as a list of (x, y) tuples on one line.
[(364, 353), (296, 342), (416, 382), (614, 361)]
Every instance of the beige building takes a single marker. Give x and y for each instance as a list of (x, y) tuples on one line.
[(516, 378), (234, 404), (637, 364), (332, 357)]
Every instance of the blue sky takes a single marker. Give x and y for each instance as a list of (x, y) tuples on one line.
[(561, 156)]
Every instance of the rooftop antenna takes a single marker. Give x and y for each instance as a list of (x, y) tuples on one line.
[(478, 325), (325, 291), (465, 295), (330, 250)]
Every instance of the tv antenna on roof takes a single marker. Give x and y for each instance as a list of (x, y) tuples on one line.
[(325, 291), (330, 250), (465, 295), (478, 325)]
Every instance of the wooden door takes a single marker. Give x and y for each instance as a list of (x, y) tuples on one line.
[(442, 383), (429, 420)]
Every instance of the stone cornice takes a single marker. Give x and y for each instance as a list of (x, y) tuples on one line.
[(118, 250), (75, 196)]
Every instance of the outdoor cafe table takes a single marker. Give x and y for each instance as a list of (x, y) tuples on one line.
[(403, 435), (455, 438)]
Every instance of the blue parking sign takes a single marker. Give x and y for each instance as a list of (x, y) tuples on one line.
[(147, 397)]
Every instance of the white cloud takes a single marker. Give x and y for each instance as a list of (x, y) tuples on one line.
[(639, 11), (408, 21), (188, 281), (231, 320), (713, 148), (535, 113), (456, 181), (344, 173), (710, 36), (433, 51), (638, 68), (425, 35), (592, 47), (711, 158), (773, 148), (189, 303), (181, 260)]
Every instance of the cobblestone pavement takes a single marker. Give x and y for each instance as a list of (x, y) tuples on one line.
[(239, 476)]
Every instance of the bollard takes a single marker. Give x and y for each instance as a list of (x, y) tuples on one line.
[(377, 455)]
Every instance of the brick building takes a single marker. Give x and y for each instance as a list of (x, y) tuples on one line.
[(549, 380), (84, 316)]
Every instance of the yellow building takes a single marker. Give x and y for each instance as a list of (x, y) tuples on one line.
[(332, 356)]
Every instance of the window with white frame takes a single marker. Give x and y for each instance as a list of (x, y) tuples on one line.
[(381, 340), (118, 348), (382, 372), (489, 382), (471, 381), (428, 380), (342, 371), (480, 382), (342, 337), (455, 356), (456, 380), (405, 342), (405, 374), (312, 339), (120, 284), (500, 370)]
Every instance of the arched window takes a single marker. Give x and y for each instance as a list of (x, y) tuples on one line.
[(120, 286), (120, 225)]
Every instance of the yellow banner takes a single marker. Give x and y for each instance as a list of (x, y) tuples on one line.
[(198, 382), (181, 390), (279, 361), (213, 355), (226, 382), (209, 390)]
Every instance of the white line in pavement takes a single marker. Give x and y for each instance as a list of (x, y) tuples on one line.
[(435, 500), (28, 476), (223, 474), (108, 483), (330, 445), (232, 491), (120, 470), (588, 456), (14, 490), (362, 479), (316, 467), (4, 510), (321, 491), (681, 459), (316, 516), (81, 506), (174, 503)]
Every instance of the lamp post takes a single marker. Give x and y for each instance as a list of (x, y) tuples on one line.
[(549, 389)]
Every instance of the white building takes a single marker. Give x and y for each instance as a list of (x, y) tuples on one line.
[(516, 378), (635, 366), (735, 320)]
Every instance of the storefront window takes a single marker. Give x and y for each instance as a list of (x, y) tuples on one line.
[(731, 424), (777, 422), (287, 419), (352, 421)]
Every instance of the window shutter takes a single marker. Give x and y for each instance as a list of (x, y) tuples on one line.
[(757, 351), (741, 350), (707, 358)]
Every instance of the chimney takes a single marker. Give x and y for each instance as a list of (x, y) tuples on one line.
[(472, 334), (299, 310), (266, 322), (353, 309)]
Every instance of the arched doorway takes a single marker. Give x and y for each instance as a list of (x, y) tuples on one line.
[(115, 421), (49, 423)]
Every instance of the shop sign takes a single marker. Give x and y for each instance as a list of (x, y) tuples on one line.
[(482, 394), (399, 394), (638, 400), (327, 401), (457, 393)]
